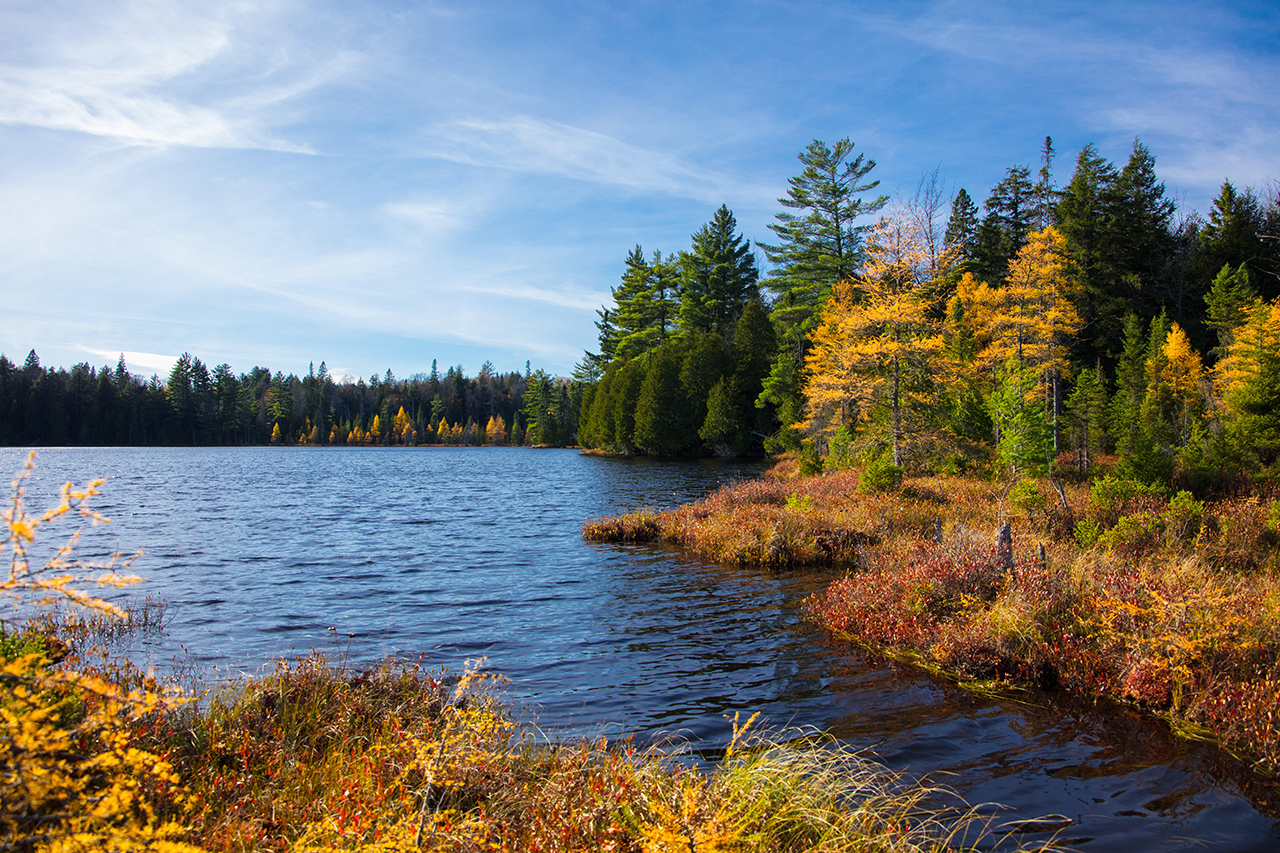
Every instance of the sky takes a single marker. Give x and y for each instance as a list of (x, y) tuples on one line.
[(376, 185)]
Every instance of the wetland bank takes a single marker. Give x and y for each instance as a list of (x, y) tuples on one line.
[(445, 555)]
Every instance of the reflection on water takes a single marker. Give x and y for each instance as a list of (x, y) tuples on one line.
[(448, 554)]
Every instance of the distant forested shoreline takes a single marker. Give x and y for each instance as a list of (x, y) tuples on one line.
[(196, 406)]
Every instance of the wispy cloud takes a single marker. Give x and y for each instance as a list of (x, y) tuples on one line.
[(525, 144), (130, 77)]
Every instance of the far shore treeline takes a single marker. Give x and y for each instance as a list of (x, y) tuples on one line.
[(199, 406)]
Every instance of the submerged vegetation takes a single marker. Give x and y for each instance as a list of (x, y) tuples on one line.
[(96, 753), (1110, 588)]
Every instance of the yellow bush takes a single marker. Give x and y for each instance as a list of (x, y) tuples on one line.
[(71, 774)]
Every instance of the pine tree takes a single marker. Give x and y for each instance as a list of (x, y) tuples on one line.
[(821, 243)]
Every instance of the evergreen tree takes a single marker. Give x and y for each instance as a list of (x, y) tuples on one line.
[(706, 360), (1138, 242), (1023, 439), (754, 348), (1087, 407), (821, 243), (718, 276), (1083, 216), (1010, 213), (723, 430), (661, 424), (1044, 198), (624, 397), (962, 228), (1229, 303), (1233, 236), (1131, 383)]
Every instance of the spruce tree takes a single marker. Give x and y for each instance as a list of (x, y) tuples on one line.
[(1010, 212), (962, 227), (718, 276)]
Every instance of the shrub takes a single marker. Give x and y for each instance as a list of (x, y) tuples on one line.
[(72, 774), (1111, 497), (810, 462), (880, 476), (1027, 497), (1087, 532), (1183, 517)]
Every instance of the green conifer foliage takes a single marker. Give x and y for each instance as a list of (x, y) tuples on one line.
[(718, 276), (661, 422), (1229, 303)]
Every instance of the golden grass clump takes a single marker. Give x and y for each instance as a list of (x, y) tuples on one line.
[(311, 758)]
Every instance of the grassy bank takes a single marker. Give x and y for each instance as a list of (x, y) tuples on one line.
[(313, 757), (1111, 588)]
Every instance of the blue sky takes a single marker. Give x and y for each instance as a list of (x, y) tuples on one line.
[(379, 184)]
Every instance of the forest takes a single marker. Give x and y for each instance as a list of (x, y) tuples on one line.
[(199, 406), (927, 332)]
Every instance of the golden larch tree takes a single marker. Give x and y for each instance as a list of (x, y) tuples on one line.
[(878, 339), (1032, 318)]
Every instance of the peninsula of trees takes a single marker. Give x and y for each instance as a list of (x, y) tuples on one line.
[(931, 333)]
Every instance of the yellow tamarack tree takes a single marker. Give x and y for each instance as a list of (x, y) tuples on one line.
[(1175, 400), (878, 340), (1031, 319), (1247, 382), (497, 430), (71, 775)]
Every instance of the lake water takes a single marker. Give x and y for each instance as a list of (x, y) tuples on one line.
[(450, 554)]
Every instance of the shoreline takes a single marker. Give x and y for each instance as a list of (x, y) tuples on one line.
[(1162, 603)]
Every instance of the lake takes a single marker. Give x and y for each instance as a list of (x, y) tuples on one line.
[(446, 555)]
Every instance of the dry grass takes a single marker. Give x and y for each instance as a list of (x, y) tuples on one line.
[(310, 757)]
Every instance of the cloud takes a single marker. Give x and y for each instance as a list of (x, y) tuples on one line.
[(155, 74), (153, 362), (525, 144)]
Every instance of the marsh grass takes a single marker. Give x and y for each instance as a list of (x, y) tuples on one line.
[(313, 757)]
